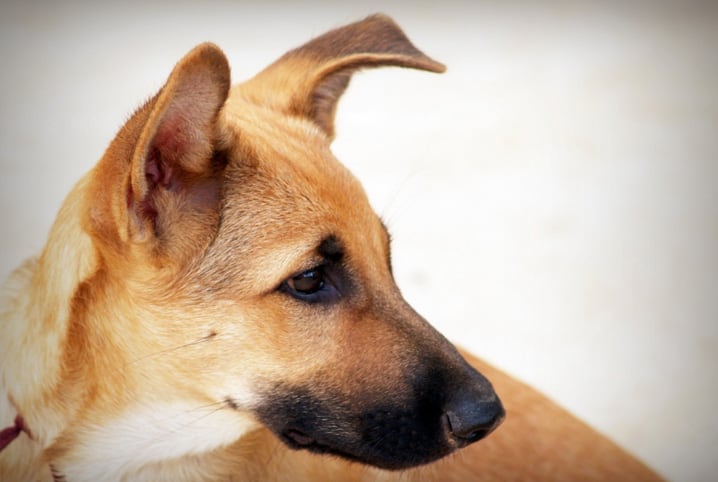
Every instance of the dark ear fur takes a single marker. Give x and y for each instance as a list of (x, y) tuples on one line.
[(173, 161), (309, 80)]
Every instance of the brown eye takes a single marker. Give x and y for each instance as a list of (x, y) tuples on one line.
[(316, 285), (308, 282)]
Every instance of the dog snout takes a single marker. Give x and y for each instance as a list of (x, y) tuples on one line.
[(469, 419)]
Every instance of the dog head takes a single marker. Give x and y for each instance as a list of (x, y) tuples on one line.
[(244, 266)]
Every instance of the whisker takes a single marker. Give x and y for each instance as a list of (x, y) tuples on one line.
[(199, 408), (219, 406), (389, 210), (204, 339), (198, 419)]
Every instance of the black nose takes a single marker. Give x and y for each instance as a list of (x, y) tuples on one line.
[(470, 419)]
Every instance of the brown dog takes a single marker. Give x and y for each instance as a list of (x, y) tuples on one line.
[(217, 292)]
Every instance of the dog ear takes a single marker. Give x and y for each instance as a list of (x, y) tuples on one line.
[(173, 157), (309, 80)]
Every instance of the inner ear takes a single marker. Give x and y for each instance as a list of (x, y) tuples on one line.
[(174, 154)]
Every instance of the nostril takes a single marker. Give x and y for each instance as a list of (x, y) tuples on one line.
[(470, 421)]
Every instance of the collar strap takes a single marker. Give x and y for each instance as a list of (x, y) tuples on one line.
[(9, 434)]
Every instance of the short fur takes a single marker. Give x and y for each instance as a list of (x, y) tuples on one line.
[(171, 330)]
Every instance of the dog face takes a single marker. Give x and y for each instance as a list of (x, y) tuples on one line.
[(247, 269), (346, 365)]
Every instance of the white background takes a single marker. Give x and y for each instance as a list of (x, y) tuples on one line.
[(552, 196)]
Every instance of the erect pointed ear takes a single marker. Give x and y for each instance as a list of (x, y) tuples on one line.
[(309, 80), (173, 157)]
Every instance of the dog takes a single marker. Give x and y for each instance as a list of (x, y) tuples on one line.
[(215, 301)]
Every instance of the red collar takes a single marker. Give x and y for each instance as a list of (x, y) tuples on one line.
[(11, 433)]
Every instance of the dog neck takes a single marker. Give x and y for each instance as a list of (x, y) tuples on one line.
[(34, 322)]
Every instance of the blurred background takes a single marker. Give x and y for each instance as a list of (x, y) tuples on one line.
[(553, 196)]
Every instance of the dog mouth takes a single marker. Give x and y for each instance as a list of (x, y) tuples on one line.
[(396, 456), (390, 438), (298, 439), (404, 439)]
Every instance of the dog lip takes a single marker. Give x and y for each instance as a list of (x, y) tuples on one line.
[(299, 438)]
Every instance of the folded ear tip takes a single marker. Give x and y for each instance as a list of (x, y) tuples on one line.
[(381, 17), (432, 65)]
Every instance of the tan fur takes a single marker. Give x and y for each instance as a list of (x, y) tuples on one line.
[(144, 340)]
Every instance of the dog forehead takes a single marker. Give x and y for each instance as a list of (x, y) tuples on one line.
[(282, 162), (284, 193)]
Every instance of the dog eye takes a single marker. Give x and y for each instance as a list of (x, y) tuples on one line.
[(308, 282), (311, 286)]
